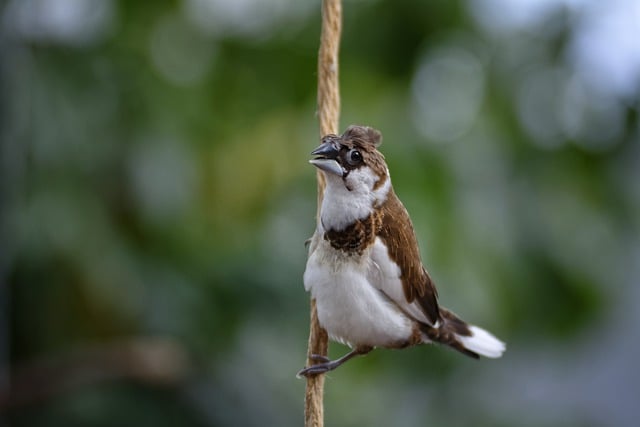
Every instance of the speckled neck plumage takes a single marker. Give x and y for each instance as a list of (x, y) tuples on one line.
[(358, 236)]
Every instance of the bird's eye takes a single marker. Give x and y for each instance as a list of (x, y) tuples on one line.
[(354, 157)]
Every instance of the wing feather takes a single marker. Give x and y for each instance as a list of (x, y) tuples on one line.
[(399, 238)]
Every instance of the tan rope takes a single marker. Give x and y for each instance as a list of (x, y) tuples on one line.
[(328, 87), (328, 116)]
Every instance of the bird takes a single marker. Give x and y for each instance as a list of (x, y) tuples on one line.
[(364, 268)]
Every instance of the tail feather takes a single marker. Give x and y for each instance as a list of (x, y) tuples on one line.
[(482, 342), (467, 339)]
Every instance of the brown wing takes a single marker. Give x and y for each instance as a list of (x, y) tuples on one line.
[(400, 240)]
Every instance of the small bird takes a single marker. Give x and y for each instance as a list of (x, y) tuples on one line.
[(364, 268)]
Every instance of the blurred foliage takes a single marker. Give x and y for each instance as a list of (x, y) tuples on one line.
[(154, 184)]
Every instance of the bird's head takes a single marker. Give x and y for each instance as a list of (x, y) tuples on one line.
[(352, 160)]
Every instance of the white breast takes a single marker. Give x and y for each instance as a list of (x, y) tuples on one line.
[(350, 308)]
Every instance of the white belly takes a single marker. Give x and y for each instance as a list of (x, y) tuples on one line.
[(350, 309)]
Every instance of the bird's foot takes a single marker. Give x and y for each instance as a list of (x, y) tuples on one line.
[(327, 365), (319, 368), (319, 358)]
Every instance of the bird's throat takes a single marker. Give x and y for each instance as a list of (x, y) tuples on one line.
[(356, 237)]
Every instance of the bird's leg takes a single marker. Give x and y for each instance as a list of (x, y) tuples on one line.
[(329, 365)]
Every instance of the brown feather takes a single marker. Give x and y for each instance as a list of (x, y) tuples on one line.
[(399, 238), (356, 237), (448, 332)]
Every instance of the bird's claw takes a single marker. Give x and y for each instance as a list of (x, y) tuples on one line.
[(319, 358), (312, 370), (324, 365)]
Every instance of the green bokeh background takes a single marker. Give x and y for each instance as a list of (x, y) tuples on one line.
[(156, 197)]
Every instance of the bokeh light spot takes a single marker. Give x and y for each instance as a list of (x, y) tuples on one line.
[(447, 89)]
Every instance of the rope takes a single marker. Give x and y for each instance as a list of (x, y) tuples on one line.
[(328, 116), (328, 88)]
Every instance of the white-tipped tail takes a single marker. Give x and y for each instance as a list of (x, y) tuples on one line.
[(483, 343)]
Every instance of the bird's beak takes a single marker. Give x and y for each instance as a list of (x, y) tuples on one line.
[(326, 155)]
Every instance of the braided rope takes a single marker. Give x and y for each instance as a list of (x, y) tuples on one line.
[(328, 116)]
